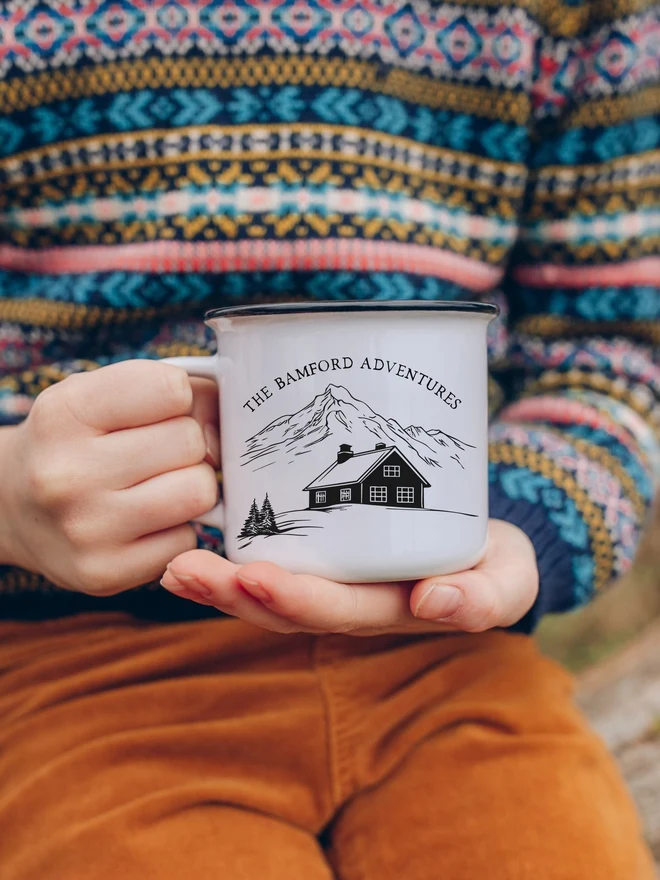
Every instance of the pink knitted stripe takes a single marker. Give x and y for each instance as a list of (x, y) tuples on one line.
[(221, 257), (560, 411), (645, 271)]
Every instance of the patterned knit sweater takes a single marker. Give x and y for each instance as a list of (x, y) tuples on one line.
[(160, 157)]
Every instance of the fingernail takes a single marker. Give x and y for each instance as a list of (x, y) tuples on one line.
[(439, 602), (254, 588), (177, 583), (212, 438)]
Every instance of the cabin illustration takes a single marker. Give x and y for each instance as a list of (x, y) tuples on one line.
[(381, 475)]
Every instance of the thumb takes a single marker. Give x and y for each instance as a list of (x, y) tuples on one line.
[(205, 411), (469, 600), (498, 591)]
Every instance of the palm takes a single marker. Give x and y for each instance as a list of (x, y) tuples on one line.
[(495, 593)]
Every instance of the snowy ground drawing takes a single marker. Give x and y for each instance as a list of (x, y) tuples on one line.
[(361, 535), (302, 523)]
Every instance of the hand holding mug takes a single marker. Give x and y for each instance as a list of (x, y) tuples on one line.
[(111, 465), (103, 476), (497, 592), (315, 400), (354, 436)]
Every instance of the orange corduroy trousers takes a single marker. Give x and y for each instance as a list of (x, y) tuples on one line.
[(132, 751)]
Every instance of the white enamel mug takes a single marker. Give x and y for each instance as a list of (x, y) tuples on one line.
[(353, 436)]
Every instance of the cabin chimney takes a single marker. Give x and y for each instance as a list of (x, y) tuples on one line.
[(380, 446), (345, 452)]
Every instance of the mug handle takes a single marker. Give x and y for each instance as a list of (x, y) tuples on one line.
[(203, 367)]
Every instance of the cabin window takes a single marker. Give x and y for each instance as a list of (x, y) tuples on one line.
[(377, 494), (320, 497), (392, 470), (344, 494), (405, 495)]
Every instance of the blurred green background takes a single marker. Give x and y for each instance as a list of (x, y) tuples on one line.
[(613, 645), (613, 619)]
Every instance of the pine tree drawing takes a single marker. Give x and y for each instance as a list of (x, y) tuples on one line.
[(267, 522), (251, 525)]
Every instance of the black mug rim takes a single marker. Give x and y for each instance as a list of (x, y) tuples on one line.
[(333, 306)]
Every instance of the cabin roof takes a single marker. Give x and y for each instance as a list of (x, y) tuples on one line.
[(356, 468)]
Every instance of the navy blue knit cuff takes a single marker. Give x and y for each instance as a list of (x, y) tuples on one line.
[(553, 556)]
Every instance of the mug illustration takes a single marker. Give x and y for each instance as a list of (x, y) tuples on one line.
[(367, 461), (353, 436)]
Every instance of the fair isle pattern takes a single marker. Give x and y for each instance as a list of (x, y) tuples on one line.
[(525, 474), (229, 150), (448, 40), (599, 484), (639, 495), (442, 38), (104, 300), (42, 89), (615, 59), (271, 203), (555, 326), (47, 299), (560, 411), (588, 414), (159, 158), (607, 363), (341, 113), (593, 304), (645, 430), (615, 176), (598, 229), (637, 389)]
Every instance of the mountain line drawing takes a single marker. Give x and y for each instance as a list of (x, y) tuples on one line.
[(335, 416)]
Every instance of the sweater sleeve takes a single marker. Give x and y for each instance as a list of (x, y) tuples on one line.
[(575, 453)]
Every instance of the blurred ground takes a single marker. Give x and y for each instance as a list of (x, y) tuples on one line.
[(614, 648)]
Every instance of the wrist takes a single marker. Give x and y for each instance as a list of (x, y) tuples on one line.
[(10, 545), (553, 556)]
